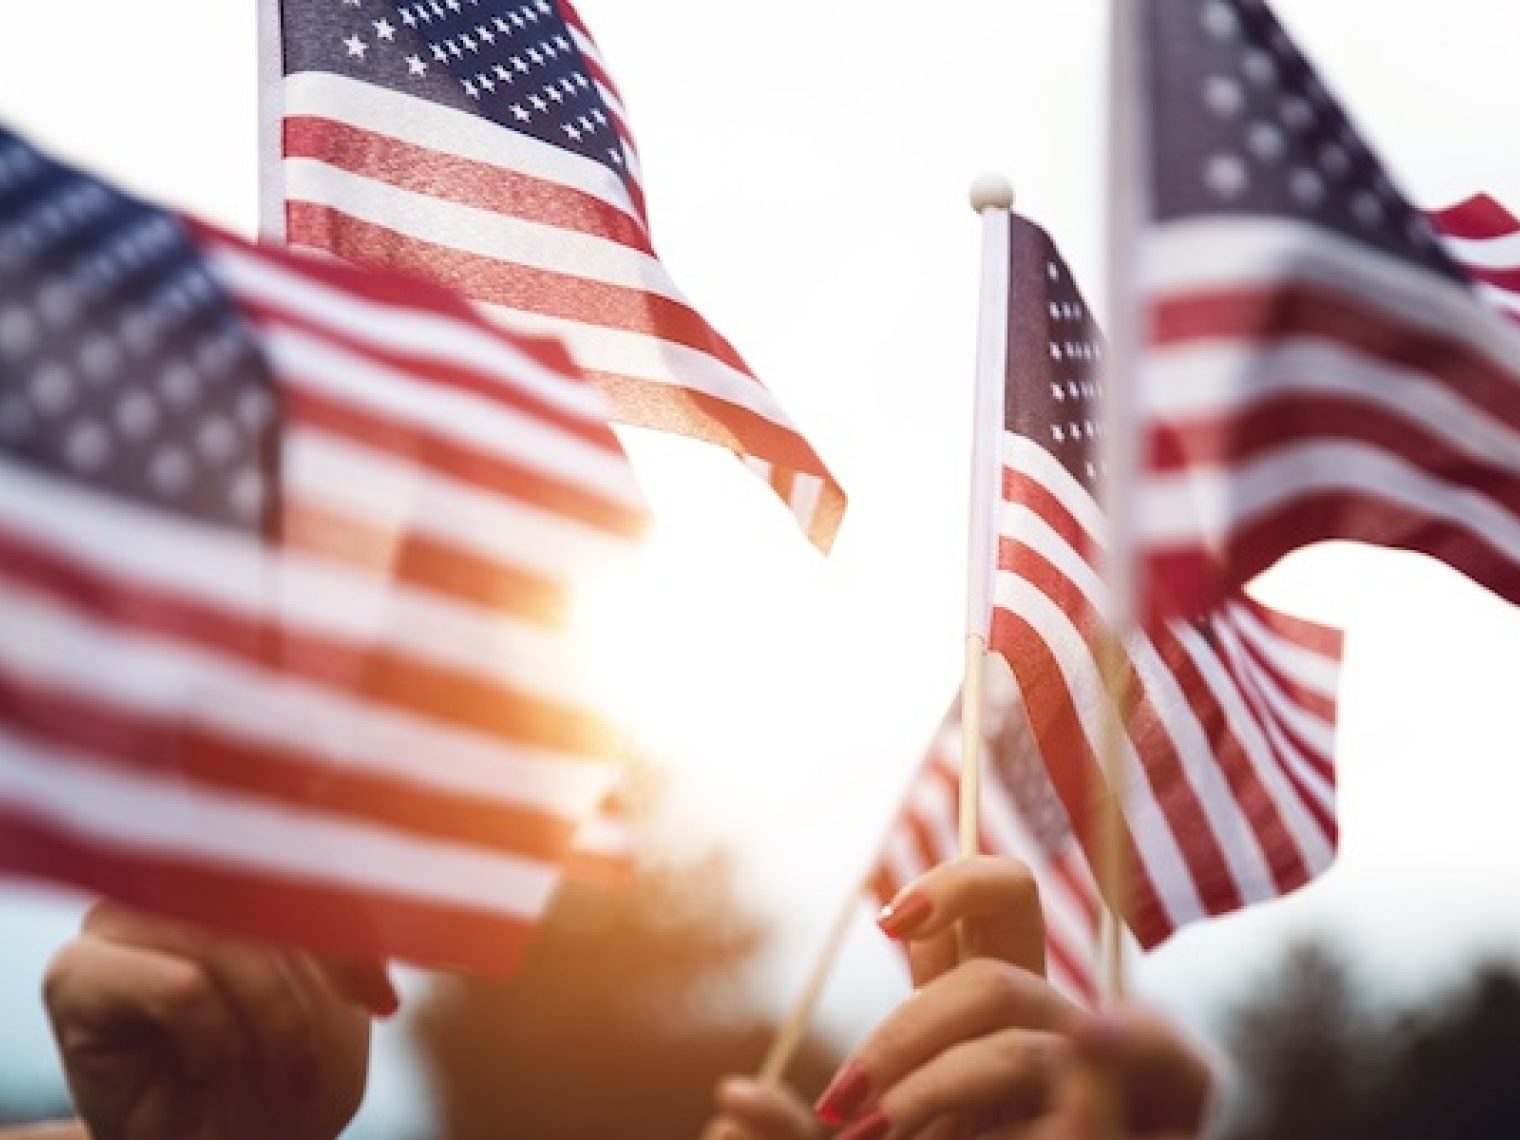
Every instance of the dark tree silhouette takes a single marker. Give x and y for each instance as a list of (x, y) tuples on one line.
[(629, 1009)]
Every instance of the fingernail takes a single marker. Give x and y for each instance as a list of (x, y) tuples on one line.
[(305, 1076), (872, 1127), (904, 914), (846, 1095)]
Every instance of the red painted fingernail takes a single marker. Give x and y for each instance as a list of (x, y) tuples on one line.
[(305, 1076), (904, 914), (872, 1127), (846, 1095)]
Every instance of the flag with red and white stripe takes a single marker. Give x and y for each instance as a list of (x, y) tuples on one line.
[(1021, 818), (482, 143), (1227, 762), (286, 558), (603, 853), (1318, 363)]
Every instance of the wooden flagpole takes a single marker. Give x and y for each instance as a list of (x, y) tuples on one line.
[(271, 112), (789, 1036), (992, 199), (1119, 467)]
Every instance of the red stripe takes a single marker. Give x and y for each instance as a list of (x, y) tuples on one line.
[(381, 287), (333, 920), (1312, 701), (1023, 490), (1321, 640), (1246, 667), (1074, 770), (1159, 759), (690, 411), (1295, 310), (511, 284), (1285, 859), (1073, 966), (425, 563), (450, 178), (430, 372), (1294, 419), (1245, 686), (1479, 218), (381, 674), (202, 754), (437, 454), (1197, 576)]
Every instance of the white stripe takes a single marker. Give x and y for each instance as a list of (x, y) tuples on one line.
[(1485, 253), (484, 426), (1179, 509), (432, 126), (1503, 299), (1023, 455), (640, 356), (165, 817), (1312, 843), (398, 329), (162, 678), (330, 472), (807, 493), (1235, 252), (1201, 768), (476, 231), (1216, 379), (238, 577), (1285, 749), (605, 837), (1307, 667), (1152, 831)]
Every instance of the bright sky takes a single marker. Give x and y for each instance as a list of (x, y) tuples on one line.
[(807, 182)]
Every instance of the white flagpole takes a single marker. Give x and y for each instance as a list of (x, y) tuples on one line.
[(271, 49), (1119, 449), (992, 199)]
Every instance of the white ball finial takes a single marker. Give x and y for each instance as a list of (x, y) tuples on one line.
[(991, 192)]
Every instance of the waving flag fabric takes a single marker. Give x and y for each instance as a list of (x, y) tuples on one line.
[(1021, 819), (1484, 237), (482, 143), (1228, 794), (1318, 363), (285, 557)]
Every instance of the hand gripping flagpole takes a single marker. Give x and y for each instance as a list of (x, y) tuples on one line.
[(992, 199)]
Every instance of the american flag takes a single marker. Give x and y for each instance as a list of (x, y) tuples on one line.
[(1318, 364), (285, 554), (482, 143), (1228, 790), (1484, 237), (1021, 818)]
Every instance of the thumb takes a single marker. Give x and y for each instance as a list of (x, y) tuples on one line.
[(1164, 1079)]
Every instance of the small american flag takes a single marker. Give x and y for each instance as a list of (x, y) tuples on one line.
[(481, 143), (1229, 791), (1318, 364), (1021, 818), (285, 554)]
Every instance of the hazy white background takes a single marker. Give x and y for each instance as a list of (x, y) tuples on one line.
[(807, 170)]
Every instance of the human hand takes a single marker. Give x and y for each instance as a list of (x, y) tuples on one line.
[(989, 906), (166, 1031), (754, 1110), (990, 1051)]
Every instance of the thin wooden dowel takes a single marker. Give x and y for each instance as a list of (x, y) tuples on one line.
[(972, 689), (800, 1016)]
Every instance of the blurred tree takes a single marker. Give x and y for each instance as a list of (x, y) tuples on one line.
[(628, 1010)]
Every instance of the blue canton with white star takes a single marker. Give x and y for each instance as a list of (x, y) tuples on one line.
[(1241, 124), (1053, 390), (124, 366), (515, 63)]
